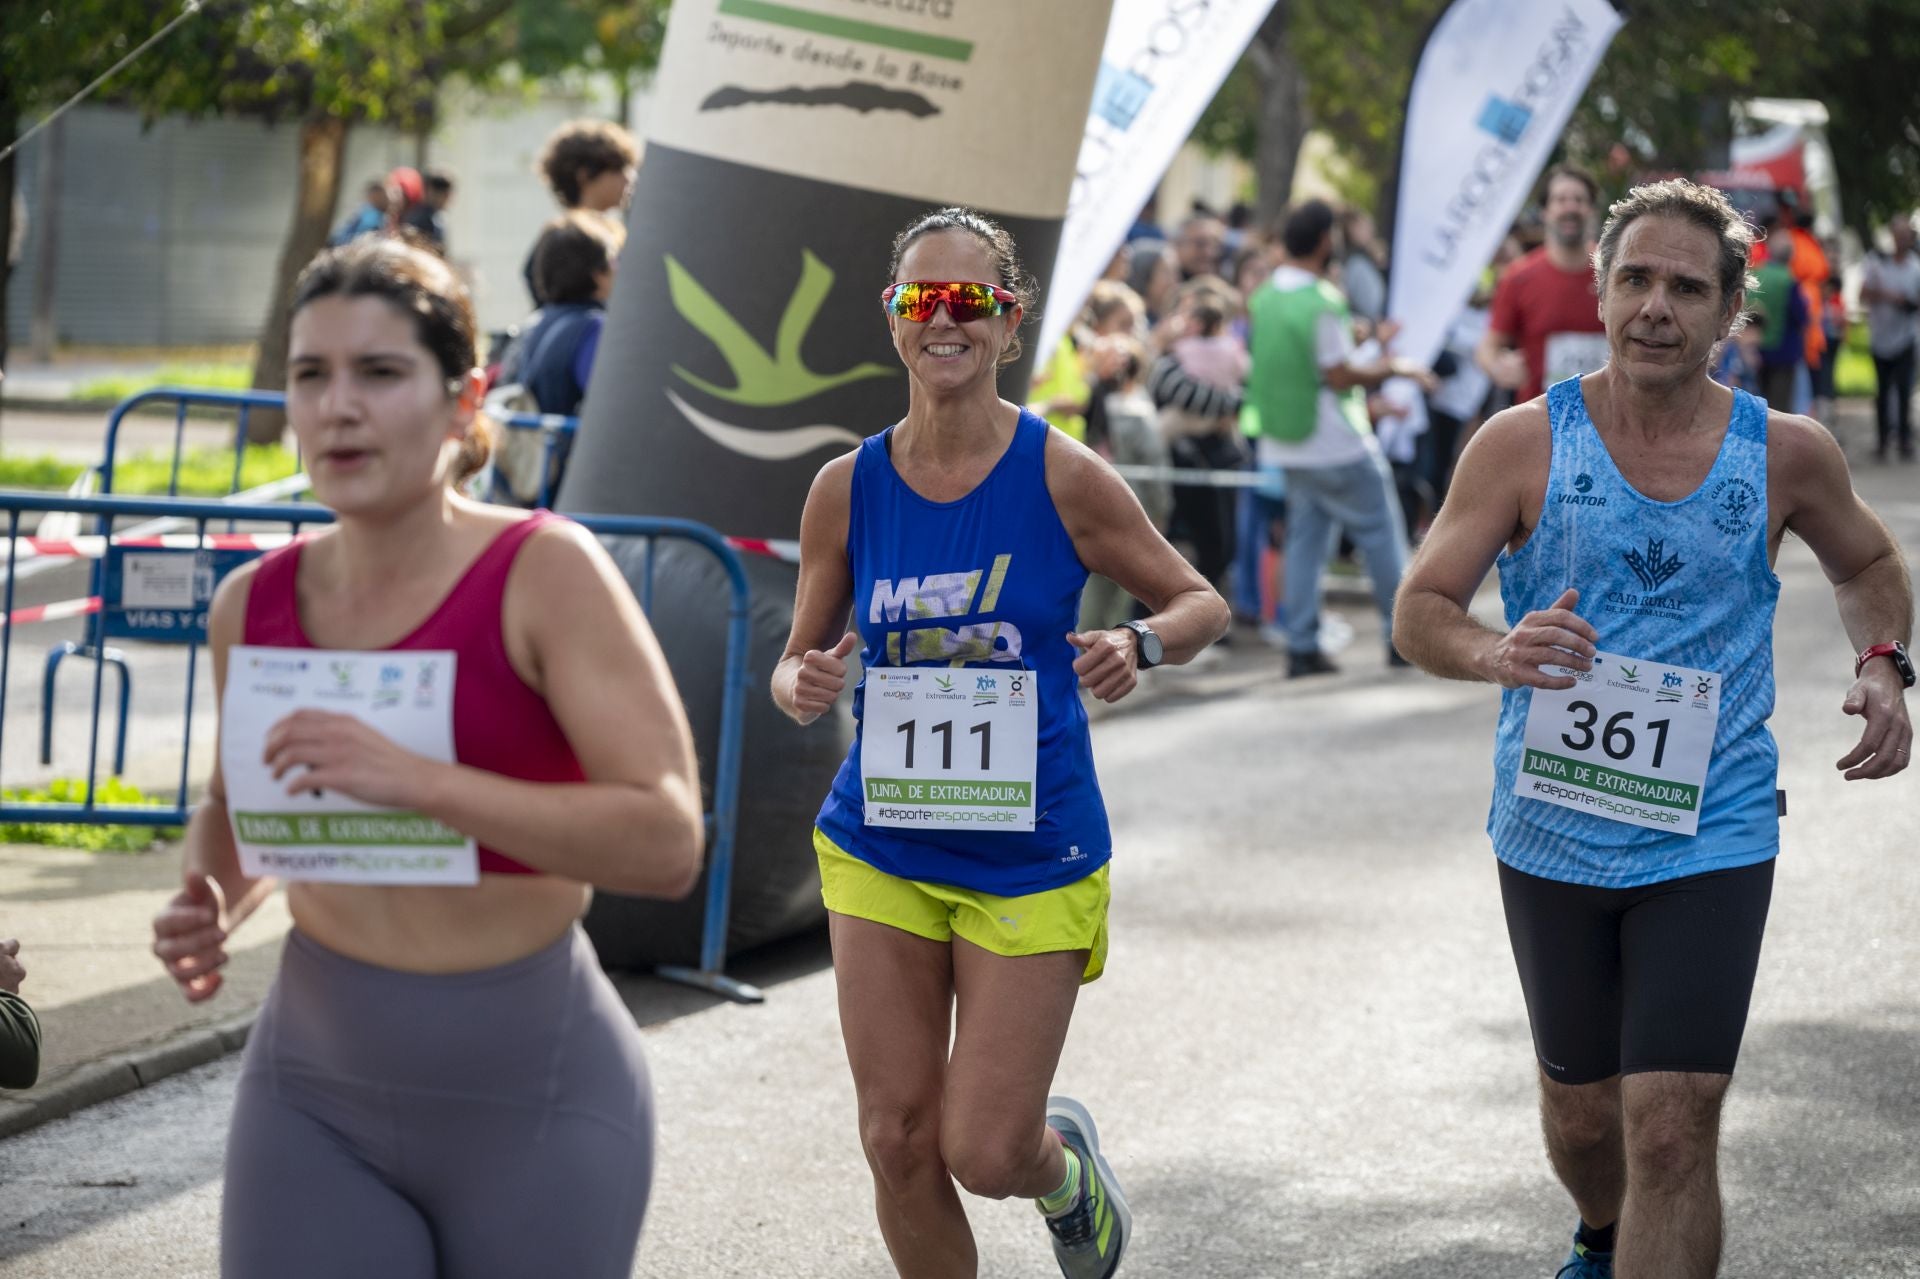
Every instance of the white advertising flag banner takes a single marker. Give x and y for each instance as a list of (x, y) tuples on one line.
[(1494, 87), (1162, 63)]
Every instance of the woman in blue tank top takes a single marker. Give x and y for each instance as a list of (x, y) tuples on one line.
[(964, 846)]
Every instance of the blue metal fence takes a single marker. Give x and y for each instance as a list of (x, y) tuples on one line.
[(114, 617)]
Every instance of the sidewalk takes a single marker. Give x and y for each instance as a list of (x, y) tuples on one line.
[(111, 1020)]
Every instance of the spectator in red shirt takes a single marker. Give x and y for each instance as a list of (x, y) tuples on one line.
[(1546, 313)]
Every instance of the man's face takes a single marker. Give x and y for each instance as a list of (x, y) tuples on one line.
[(1199, 246), (1902, 229), (1569, 212), (1661, 303)]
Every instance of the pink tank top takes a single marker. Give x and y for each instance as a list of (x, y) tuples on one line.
[(499, 724)]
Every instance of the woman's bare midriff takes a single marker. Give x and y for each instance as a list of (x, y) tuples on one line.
[(439, 930)]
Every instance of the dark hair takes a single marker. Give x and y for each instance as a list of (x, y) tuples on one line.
[(1304, 226), (999, 245), (422, 287), (1704, 207), (571, 251), (1577, 174), (1208, 315), (592, 146), (439, 181)]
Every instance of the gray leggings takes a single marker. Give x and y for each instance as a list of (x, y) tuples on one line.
[(494, 1123)]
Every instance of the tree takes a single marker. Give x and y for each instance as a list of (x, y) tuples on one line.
[(1663, 99), (1320, 64), (46, 56), (325, 65)]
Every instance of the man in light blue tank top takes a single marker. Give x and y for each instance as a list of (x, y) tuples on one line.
[(1634, 515)]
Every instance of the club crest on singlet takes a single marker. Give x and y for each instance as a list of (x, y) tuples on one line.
[(1736, 504)]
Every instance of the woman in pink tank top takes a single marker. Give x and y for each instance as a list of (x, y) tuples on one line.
[(441, 1081)]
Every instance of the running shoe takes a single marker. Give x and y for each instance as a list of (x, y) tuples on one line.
[(1089, 1238), (1585, 1264), (1311, 662)]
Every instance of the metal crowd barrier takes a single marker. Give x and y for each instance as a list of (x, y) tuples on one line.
[(157, 588), (115, 624)]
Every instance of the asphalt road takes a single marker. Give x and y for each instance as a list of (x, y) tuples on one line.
[(1309, 1056)]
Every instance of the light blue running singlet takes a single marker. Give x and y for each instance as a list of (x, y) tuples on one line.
[(1684, 582), (990, 580)]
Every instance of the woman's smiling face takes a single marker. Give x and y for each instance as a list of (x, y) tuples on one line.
[(943, 356)]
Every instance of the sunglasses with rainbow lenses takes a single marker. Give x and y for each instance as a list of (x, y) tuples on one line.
[(915, 300)]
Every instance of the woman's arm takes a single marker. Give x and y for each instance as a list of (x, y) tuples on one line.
[(190, 932), (812, 670)]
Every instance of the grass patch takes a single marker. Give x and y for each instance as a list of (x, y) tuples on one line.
[(204, 472), (83, 835), (219, 376), (45, 472)]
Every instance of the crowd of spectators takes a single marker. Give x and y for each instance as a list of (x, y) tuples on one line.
[(1163, 372)]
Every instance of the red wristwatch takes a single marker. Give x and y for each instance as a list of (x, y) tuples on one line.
[(1893, 649)]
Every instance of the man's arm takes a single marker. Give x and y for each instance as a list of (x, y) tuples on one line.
[(1340, 370), (1807, 475), (1431, 625)]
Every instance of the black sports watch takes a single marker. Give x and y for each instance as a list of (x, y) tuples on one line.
[(1149, 651)]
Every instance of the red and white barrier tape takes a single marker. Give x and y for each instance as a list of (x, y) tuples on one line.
[(784, 551), (92, 548), (51, 612)]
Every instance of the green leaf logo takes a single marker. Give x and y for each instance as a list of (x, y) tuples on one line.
[(763, 380)]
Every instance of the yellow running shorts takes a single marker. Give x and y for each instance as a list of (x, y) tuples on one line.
[(1072, 917)]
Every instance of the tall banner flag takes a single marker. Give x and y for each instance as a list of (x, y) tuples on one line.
[(1163, 62), (1493, 89), (745, 345)]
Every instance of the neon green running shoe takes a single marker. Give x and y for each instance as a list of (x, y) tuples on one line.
[(1089, 1238)]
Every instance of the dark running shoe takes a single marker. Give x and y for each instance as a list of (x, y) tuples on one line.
[(1311, 662)]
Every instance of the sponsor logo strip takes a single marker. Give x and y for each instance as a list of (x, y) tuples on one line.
[(786, 15)]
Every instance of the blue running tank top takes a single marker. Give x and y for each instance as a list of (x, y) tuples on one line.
[(990, 580), (1685, 582)]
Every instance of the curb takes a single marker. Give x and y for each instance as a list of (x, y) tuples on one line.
[(76, 408), (123, 1073)]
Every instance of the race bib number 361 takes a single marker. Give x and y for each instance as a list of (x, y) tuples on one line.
[(949, 749), (1629, 742)]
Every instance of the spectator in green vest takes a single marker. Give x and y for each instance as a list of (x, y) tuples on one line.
[(1307, 415)]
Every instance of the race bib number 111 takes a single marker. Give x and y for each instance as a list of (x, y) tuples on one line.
[(949, 749), (1629, 742)]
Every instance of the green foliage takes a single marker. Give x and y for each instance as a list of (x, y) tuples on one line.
[(231, 376), (1358, 62), (376, 61), (204, 472), (1231, 123), (95, 839), (42, 472)]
